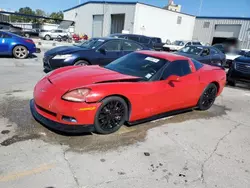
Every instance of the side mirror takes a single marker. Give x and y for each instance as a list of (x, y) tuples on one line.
[(102, 51), (174, 78)]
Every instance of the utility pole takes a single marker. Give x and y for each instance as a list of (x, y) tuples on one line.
[(201, 3)]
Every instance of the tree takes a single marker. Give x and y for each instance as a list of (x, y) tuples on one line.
[(56, 15)]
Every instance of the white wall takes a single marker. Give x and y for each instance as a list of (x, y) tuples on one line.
[(83, 16), (153, 21)]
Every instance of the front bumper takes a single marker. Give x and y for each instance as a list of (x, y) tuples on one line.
[(234, 75), (56, 125)]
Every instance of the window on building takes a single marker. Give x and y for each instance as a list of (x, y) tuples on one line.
[(179, 18), (206, 24), (178, 68)]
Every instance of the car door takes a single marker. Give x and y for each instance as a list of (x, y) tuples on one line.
[(215, 57), (4, 43), (205, 56), (174, 95), (108, 52), (130, 46)]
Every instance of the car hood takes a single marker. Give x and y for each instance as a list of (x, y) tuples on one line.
[(231, 56), (244, 59), (64, 50), (73, 77)]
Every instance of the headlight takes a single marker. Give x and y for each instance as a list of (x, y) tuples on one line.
[(77, 95), (62, 56)]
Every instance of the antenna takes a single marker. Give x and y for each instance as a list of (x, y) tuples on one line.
[(201, 3)]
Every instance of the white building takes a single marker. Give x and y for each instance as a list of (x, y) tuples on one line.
[(96, 19)]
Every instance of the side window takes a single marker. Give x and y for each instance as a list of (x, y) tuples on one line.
[(197, 64), (1, 35), (205, 52), (144, 40), (134, 38), (178, 68), (114, 45), (213, 51), (130, 46), (188, 44)]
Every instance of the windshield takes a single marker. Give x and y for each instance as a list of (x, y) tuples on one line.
[(247, 54), (178, 43), (196, 50), (91, 44), (136, 64)]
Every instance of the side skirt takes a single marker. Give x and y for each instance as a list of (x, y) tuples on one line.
[(159, 116)]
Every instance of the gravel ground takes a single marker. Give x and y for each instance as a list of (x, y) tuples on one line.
[(193, 149)]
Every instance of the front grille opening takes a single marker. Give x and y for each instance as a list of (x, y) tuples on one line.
[(46, 111)]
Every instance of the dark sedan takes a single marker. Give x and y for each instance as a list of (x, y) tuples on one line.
[(96, 51), (205, 54)]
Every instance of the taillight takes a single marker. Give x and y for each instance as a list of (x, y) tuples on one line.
[(29, 41)]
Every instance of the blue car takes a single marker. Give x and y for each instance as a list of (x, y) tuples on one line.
[(96, 51), (15, 45)]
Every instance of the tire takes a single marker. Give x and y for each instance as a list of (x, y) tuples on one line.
[(47, 37), (82, 63), (208, 97), (231, 83), (111, 115), (20, 52)]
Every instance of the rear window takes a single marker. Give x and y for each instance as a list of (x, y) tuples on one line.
[(156, 40), (198, 65), (144, 40), (196, 43), (134, 38)]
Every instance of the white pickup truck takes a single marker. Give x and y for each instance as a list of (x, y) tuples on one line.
[(178, 44)]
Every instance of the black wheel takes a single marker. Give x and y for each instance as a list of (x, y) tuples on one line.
[(111, 115), (208, 97), (20, 52), (47, 37), (81, 63), (231, 83)]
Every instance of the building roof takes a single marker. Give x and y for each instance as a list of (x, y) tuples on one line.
[(227, 18), (102, 2)]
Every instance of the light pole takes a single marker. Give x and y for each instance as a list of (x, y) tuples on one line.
[(201, 3)]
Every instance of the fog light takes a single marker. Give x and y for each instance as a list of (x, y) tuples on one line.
[(69, 119)]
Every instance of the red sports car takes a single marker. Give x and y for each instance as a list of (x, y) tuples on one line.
[(132, 89)]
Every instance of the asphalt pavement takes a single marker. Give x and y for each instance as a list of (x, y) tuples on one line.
[(194, 149)]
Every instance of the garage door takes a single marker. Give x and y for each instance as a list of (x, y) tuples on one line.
[(97, 26), (227, 31)]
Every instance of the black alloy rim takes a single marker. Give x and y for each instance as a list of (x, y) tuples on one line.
[(209, 97), (111, 115)]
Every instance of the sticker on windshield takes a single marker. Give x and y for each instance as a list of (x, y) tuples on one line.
[(152, 59), (148, 76), (100, 40)]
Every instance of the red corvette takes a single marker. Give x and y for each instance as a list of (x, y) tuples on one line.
[(137, 87)]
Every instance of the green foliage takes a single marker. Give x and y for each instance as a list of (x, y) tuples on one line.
[(37, 12)]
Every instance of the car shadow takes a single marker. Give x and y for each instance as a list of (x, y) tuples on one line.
[(31, 56), (242, 86)]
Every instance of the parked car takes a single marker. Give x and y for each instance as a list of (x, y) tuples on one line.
[(138, 87), (150, 42), (204, 54), (19, 47), (178, 44), (4, 26), (231, 56), (240, 70), (53, 34), (30, 33), (96, 51)]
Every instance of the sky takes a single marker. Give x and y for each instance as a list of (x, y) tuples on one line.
[(234, 8)]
